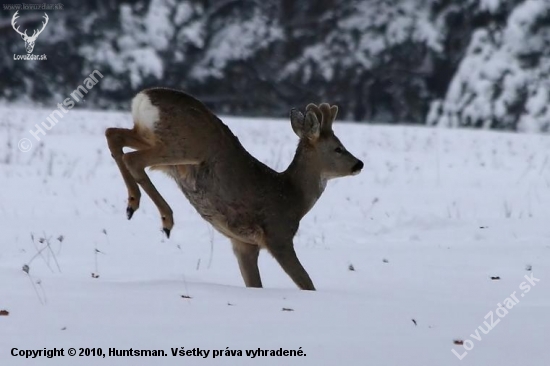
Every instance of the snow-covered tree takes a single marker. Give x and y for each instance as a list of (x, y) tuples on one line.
[(483, 62), (382, 48), (503, 81)]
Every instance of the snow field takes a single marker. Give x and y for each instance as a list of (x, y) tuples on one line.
[(434, 214)]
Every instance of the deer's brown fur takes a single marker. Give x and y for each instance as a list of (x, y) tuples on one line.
[(245, 200)]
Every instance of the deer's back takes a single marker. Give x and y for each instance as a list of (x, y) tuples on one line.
[(183, 122)]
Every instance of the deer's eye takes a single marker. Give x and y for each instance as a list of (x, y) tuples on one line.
[(338, 150)]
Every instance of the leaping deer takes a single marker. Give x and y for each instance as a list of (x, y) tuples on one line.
[(29, 41), (245, 200)]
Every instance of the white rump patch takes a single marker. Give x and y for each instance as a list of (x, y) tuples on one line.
[(145, 114)]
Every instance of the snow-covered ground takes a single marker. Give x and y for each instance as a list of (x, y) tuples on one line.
[(402, 255)]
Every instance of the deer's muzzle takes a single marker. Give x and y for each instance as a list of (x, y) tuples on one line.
[(357, 167)]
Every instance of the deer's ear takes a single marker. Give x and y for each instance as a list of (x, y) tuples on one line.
[(297, 122), (312, 127), (305, 127), (23, 37)]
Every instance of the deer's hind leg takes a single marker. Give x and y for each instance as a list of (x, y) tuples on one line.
[(117, 139), (157, 155)]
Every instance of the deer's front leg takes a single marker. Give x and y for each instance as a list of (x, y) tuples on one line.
[(247, 256), (283, 252)]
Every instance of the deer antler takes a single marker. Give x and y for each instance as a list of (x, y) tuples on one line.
[(24, 34), (324, 113), (329, 115), (43, 26), (13, 19)]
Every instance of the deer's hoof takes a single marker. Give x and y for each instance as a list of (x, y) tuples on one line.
[(130, 212), (167, 232)]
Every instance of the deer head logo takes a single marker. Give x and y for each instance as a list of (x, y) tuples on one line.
[(29, 41)]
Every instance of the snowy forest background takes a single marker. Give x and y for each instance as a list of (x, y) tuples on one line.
[(467, 63)]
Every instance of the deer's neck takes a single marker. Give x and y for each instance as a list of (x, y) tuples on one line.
[(304, 174)]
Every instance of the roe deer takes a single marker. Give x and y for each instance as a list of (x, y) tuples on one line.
[(245, 200)]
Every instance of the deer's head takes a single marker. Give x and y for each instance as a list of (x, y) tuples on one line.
[(325, 149), (29, 40)]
